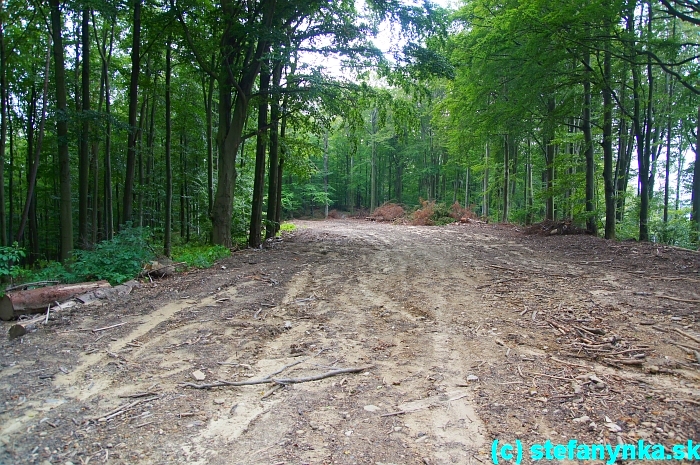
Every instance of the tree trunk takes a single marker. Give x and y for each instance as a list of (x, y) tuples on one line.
[(183, 186), (66, 211), (549, 158), (106, 56), (231, 124), (696, 181), (260, 149), (325, 172), (610, 204), (485, 186), (373, 175), (591, 220), (95, 165), (84, 157), (168, 157), (133, 108), (273, 179), (208, 105), (529, 197), (669, 88), (33, 158), (644, 142), (33, 238), (506, 176), (12, 178), (280, 167), (3, 133)]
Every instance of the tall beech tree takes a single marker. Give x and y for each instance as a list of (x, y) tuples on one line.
[(66, 208)]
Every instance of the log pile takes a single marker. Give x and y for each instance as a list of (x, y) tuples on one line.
[(48, 299), (14, 304)]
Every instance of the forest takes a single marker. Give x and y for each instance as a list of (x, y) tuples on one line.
[(194, 123)]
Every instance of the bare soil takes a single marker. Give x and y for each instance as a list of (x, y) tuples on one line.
[(473, 332)]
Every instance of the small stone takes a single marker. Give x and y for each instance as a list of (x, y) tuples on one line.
[(198, 375), (613, 427), (371, 408), (472, 378), (582, 419), (219, 401), (397, 428), (287, 325), (348, 433), (195, 423)]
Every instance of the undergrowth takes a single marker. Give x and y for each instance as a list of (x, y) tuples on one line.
[(116, 261), (199, 256), (286, 227)]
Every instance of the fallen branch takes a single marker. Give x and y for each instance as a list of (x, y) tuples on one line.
[(500, 282), (282, 381), (664, 278), (689, 336), (676, 299), (548, 376), (138, 394), (593, 331), (505, 268), (119, 410), (686, 348), (26, 285), (328, 374), (423, 404), (107, 327), (561, 328), (624, 361)]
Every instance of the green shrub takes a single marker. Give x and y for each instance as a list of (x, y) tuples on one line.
[(9, 257), (116, 261), (200, 256)]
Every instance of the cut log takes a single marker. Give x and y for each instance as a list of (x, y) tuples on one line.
[(19, 303), (23, 327)]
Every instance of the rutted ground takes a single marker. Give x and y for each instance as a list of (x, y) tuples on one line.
[(472, 333)]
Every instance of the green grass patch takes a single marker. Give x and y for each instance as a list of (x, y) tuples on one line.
[(199, 256), (287, 227)]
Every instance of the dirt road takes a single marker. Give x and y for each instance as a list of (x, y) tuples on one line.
[(467, 334)]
